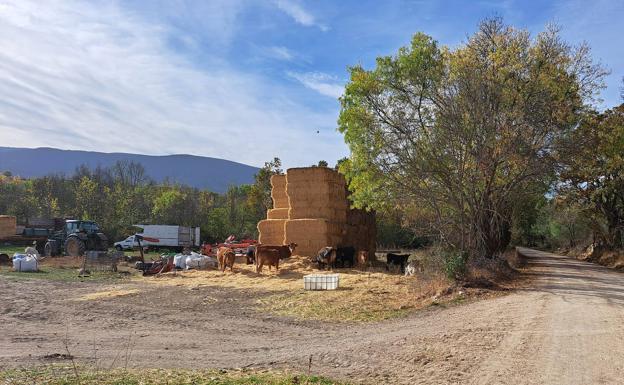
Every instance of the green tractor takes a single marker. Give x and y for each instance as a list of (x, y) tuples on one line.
[(75, 238)]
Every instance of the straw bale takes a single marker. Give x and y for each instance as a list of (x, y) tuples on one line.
[(277, 213), (271, 231), (313, 174), (8, 225), (318, 212), (312, 234), (278, 191)]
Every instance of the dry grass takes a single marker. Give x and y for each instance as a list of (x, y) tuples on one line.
[(361, 298), (64, 375), (363, 295), (107, 294)]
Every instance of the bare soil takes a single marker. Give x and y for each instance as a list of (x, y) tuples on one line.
[(565, 327)]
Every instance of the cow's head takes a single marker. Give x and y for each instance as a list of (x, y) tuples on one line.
[(292, 246)]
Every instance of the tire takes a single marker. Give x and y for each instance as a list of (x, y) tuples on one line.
[(50, 249), (74, 247), (119, 248)]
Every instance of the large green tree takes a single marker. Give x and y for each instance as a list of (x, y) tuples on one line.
[(594, 173), (460, 136)]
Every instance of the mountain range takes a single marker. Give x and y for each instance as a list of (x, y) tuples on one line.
[(198, 171)]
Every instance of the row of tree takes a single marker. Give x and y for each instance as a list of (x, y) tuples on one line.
[(494, 141), (123, 195)]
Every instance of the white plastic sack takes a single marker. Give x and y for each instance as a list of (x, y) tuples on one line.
[(179, 261), (32, 251), (25, 262), (198, 261)]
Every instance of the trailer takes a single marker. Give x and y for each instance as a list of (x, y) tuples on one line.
[(163, 237), (32, 234)]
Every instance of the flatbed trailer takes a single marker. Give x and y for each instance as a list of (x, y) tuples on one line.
[(23, 240)]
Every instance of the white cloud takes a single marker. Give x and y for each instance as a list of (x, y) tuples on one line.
[(322, 83), (77, 76), (280, 53), (295, 10)]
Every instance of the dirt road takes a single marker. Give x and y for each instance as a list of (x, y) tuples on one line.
[(566, 327)]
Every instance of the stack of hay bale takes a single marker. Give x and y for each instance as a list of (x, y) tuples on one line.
[(311, 209), (8, 226), (272, 229), (318, 208)]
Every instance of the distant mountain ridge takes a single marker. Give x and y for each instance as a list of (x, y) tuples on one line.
[(198, 171)]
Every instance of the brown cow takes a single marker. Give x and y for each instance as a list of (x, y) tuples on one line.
[(362, 259), (271, 254), (268, 257), (225, 257), (285, 251)]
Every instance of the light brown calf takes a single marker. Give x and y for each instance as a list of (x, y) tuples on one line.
[(225, 257)]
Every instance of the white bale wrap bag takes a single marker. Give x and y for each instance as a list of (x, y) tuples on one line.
[(179, 261), (198, 261), (25, 262)]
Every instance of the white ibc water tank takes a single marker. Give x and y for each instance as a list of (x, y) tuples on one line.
[(321, 281)]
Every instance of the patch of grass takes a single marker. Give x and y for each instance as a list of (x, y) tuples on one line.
[(65, 375), (69, 274), (10, 250)]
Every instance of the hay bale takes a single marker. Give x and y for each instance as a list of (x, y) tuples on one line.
[(316, 192), (278, 192), (312, 234), (271, 231), (277, 213), (8, 226), (318, 212)]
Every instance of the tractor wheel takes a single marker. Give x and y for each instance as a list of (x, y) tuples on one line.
[(74, 247), (50, 249)]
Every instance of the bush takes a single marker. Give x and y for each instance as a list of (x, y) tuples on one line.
[(455, 264)]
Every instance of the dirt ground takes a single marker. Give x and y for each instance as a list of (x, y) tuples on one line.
[(565, 327)]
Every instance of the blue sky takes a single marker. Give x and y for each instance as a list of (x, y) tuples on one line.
[(236, 79)]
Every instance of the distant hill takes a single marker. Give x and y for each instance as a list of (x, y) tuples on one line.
[(197, 171)]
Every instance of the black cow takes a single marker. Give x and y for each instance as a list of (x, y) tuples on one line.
[(345, 257), (397, 259), (251, 254)]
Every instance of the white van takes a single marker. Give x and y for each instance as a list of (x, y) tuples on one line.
[(129, 243)]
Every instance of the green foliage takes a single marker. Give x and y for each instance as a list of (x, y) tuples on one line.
[(259, 198), (461, 137), (455, 264), (593, 177), (392, 233)]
